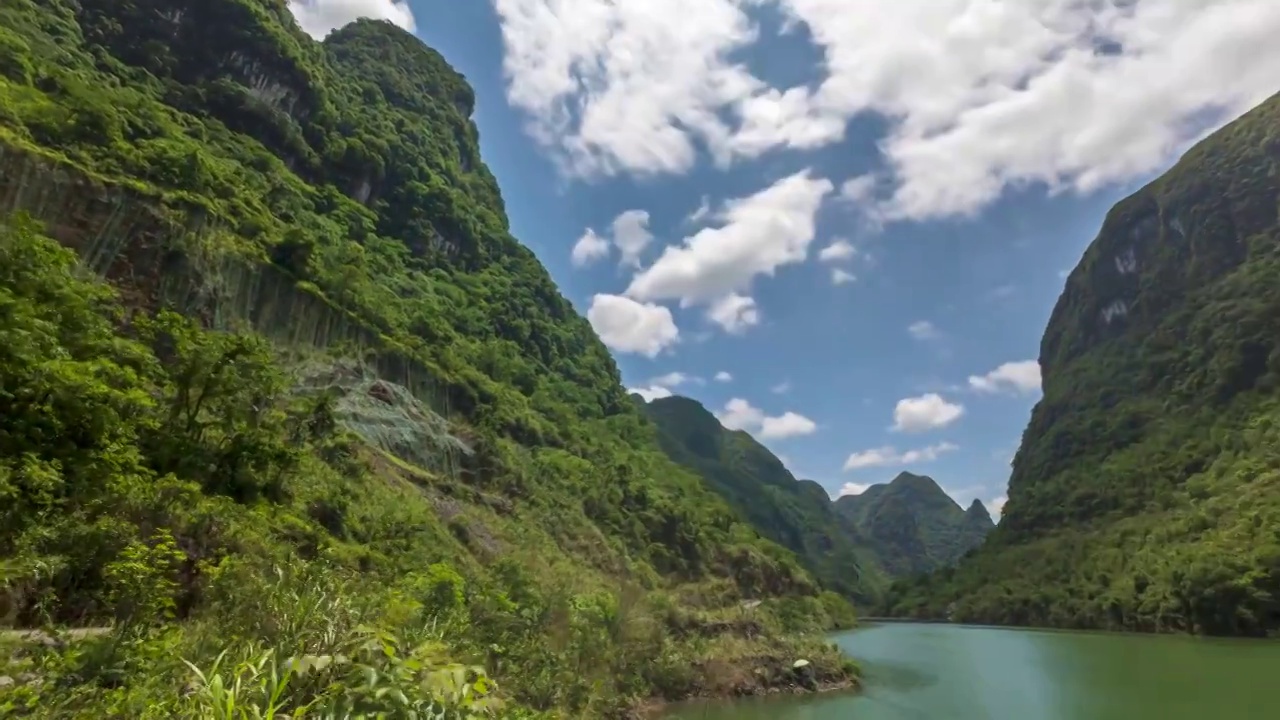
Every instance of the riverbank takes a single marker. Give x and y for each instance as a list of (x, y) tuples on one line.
[(939, 621), (658, 707), (729, 675)]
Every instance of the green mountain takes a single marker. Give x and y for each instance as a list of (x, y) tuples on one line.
[(797, 514), (1145, 494), (912, 526), (276, 380)]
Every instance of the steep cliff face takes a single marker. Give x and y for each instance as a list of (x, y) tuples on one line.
[(322, 351), (1144, 494), (913, 526), (796, 514), (1165, 311)]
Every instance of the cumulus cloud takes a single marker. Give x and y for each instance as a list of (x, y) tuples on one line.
[(839, 249), (735, 313), (724, 377), (589, 248), (977, 96), (1020, 377), (628, 326), (860, 189), (651, 393), (852, 488), (754, 236), (674, 379), (318, 17), (738, 414), (629, 232), (927, 412), (888, 456), (631, 235), (663, 385)]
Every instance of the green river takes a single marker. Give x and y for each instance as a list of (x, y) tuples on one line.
[(954, 672)]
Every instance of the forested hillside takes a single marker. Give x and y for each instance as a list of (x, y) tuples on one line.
[(912, 525), (798, 514), (1146, 492), (281, 396)]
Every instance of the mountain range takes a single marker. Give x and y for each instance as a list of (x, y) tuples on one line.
[(856, 544)]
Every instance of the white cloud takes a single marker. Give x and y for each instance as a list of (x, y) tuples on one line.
[(671, 379), (927, 412), (318, 17), (629, 232), (852, 488), (717, 265), (996, 506), (888, 456), (781, 388), (978, 96), (860, 189), (613, 86), (631, 235), (663, 386), (651, 393), (788, 424), (1020, 377), (589, 248), (840, 276), (839, 249), (632, 327), (738, 414), (923, 330), (735, 313), (724, 377)]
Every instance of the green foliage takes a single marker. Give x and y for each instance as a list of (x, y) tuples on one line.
[(796, 514), (262, 204), (913, 526), (1144, 494), (369, 674)]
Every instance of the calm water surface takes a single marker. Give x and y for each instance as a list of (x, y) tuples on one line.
[(952, 672)]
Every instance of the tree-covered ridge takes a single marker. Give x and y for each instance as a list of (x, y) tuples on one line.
[(1144, 492), (913, 526), (326, 354), (798, 514)]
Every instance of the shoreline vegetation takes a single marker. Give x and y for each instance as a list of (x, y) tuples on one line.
[(272, 624), (285, 405)]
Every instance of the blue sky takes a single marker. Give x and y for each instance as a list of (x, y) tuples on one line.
[(861, 212)]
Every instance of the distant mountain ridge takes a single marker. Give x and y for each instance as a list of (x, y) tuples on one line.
[(913, 526), (854, 544), (797, 514)]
